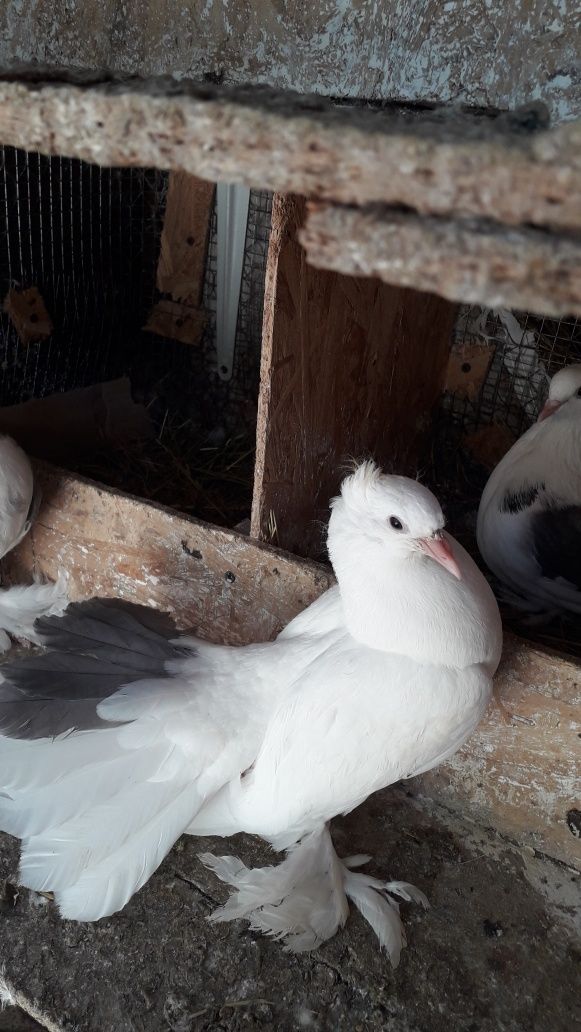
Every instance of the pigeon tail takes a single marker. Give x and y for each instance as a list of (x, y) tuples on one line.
[(304, 900)]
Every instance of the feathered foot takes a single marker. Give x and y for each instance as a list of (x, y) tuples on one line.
[(23, 604), (303, 900)]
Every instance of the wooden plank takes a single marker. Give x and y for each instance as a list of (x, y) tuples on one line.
[(471, 261), (27, 313), (434, 161), (350, 368), (184, 238), (518, 772), (230, 588), (176, 322)]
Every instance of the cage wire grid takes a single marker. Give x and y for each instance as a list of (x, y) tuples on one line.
[(526, 351), (88, 238)]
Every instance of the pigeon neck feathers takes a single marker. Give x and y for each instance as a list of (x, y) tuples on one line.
[(394, 597)]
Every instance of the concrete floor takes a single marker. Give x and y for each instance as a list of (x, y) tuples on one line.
[(500, 950)]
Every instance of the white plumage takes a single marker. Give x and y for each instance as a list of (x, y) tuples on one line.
[(121, 739), (20, 606), (529, 519)]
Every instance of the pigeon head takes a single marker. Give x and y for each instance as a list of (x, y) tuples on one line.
[(387, 517), (564, 387)]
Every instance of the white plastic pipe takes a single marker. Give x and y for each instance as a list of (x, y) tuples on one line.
[(232, 211)]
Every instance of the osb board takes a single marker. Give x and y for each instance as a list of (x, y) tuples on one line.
[(438, 162), (518, 770), (229, 588), (350, 368), (468, 260), (462, 52)]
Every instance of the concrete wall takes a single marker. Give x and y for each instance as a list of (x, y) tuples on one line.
[(482, 52)]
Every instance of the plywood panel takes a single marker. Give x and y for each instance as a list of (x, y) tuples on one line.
[(350, 368)]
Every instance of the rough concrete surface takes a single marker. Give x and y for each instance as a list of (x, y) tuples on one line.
[(499, 950), (471, 51)]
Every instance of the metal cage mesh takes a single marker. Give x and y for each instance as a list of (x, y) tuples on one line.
[(526, 350), (88, 238)]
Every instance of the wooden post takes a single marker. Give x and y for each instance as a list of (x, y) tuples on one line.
[(351, 367)]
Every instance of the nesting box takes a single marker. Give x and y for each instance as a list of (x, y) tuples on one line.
[(382, 224)]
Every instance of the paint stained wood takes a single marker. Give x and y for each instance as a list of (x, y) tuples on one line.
[(350, 368), (462, 51), (520, 770), (228, 587)]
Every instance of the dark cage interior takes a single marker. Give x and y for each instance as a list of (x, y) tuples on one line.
[(87, 240)]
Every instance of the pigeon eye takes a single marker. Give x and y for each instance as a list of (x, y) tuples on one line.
[(579, 393), (395, 523)]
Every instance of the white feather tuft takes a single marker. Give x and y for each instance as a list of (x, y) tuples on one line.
[(303, 901), (380, 911), (23, 604)]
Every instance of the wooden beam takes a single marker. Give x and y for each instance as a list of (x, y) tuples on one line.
[(340, 378), (433, 161), (472, 261), (518, 772)]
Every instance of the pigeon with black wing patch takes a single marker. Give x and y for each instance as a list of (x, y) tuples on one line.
[(529, 519)]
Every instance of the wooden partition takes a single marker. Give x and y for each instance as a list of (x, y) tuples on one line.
[(351, 368)]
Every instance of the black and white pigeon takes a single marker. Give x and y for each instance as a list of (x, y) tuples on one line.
[(529, 518), (125, 736), (21, 605)]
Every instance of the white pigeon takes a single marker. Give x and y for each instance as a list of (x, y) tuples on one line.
[(21, 605), (123, 737), (529, 519)]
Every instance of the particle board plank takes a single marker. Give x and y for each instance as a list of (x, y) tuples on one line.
[(437, 161), (468, 260), (518, 772), (350, 367)]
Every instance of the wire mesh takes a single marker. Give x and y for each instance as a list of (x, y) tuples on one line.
[(88, 238), (526, 350)]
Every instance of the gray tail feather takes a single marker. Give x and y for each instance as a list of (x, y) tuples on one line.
[(95, 648)]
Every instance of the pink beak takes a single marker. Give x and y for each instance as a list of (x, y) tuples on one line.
[(547, 410), (438, 548)]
